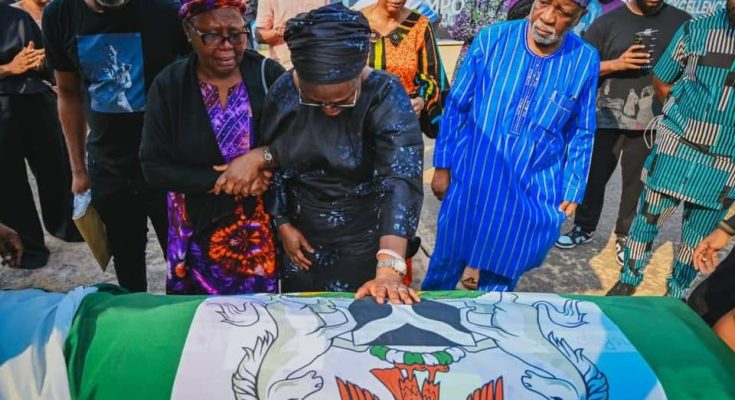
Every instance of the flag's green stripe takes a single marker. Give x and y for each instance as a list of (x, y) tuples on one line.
[(128, 347), (688, 359)]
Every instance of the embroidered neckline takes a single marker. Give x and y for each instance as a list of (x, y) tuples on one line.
[(396, 35)]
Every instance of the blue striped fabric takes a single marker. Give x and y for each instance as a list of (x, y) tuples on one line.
[(517, 135)]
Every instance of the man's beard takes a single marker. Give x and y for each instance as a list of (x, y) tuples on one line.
[(646, 10), (544, 40)]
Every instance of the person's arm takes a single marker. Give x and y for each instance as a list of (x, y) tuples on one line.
[(398, 168), (270, 36), (430, 75), (275, 198), (161, 168), (456, 113), (71, 114), (295, 245), (670, 67), (265, 31), (27, 59), (32, 55), (579, 139), (70, 97), (459, 102), (634, 59), (705, 255)]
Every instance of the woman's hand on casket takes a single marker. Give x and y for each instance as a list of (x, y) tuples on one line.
[(295, 244), (241, 175), (388, 285)]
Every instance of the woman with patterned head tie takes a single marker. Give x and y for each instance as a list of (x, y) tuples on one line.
[(201, 123), (347, 147)]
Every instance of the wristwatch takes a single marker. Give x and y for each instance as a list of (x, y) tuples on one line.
[(279, 220), (267, 156), (395, 264)]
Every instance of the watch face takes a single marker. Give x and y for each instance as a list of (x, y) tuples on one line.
[(394, 264), (400, 266)]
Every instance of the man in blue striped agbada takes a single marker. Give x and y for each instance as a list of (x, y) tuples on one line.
[(514, 147)]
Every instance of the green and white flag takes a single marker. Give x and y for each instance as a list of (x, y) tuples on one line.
[(453, 345), (496, 346)]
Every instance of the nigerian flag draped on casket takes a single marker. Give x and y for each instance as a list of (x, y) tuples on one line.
[(452, 345)]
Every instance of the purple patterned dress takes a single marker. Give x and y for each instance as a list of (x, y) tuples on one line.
[(237, 255)]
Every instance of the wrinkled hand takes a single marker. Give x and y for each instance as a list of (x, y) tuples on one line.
[(27, 59), (705, 256), (387, 284), (295, 244), (80, 182), (568, 208), (634, 58), (440, 182), (261, 184), (240, 176), (417, 103), (11, 248)]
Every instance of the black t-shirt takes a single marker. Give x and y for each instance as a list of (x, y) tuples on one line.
[(117, 55), (625, 100), (17, 29)]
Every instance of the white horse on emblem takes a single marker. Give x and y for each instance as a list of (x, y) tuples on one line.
[(277, 366), (557, 372)]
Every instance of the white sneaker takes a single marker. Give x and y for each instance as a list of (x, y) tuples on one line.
[(620, 249)]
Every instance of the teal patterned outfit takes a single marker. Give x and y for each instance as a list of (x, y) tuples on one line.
[(693, 159)]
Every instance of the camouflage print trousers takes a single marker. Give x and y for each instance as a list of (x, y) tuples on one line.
[(654, 209)]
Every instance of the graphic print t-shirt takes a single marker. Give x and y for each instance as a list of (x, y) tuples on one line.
[(117, 55), (625, 100)]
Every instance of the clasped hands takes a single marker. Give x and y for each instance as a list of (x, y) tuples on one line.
[(29, 58), (244, 176)]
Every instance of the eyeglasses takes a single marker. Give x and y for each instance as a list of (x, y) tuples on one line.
[(330, 105), (211, 39)]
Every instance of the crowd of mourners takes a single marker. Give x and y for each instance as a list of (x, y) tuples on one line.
[(302, 171)]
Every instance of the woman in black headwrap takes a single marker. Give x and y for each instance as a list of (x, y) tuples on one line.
[(347, 191), (346, 151)]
